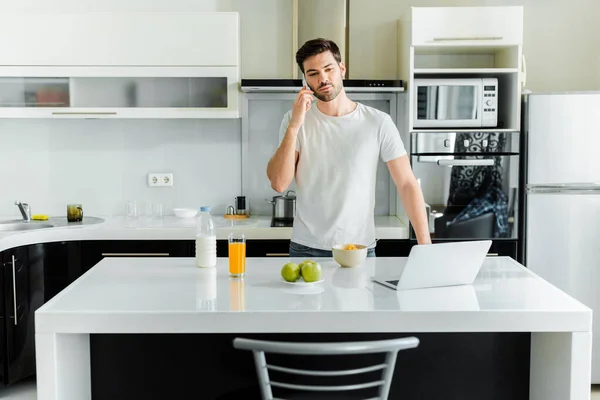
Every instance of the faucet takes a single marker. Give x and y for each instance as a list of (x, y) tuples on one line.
[(25, 210)]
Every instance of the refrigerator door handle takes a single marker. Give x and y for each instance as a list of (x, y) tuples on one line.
[(565, 188), (14, 276)]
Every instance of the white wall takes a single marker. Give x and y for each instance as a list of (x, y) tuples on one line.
[(103, 163), (561, 39), (561, 43)]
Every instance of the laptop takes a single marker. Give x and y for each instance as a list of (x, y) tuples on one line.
[(442, 264)]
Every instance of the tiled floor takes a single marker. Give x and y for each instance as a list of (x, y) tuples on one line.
[(26, 391)]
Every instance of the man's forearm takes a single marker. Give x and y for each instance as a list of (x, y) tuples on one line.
[(414, 205), (282, 166)]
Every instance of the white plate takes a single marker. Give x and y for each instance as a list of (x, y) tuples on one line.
[(300, 282)]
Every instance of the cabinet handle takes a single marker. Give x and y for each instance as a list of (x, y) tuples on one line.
[(14, 289), (492, 254), (97, 113), (277, 254), (135, 254), (460, 39)]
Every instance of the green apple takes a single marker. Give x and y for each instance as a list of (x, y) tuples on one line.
[(302, 264), (290, 272), (310, 271)]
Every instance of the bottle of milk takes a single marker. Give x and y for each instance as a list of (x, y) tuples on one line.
[(206, 239)]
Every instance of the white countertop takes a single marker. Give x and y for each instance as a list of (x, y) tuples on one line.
[(173, 228), (149, 295)]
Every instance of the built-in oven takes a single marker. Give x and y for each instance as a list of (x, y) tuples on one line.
[(470, 183)]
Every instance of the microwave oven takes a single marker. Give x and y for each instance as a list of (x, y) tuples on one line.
[(455, 103)]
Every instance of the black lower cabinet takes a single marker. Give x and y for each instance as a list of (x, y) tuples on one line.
[(259, 248), (281, 248), (393, 247), (268, 248), (31, 275), (93, 251), (384, 248)]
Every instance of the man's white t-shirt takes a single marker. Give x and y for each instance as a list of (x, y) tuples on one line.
[(336, 174)]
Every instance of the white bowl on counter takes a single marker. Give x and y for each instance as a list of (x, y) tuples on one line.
[(349, 258), (185, 212)]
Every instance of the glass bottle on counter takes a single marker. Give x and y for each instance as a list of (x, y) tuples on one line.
[(206, 239)]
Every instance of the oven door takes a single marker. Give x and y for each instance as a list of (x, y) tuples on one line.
[(471, 192), (443, 103)]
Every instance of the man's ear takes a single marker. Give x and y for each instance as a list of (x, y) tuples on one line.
[(343, 69)]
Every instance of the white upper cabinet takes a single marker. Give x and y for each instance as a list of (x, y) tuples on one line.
[(119, 39), (119, 65), (469, 26)]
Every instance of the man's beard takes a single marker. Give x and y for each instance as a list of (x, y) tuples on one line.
[(328, 96)]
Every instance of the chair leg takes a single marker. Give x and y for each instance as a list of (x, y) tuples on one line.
[(263, 375), (388, 373)]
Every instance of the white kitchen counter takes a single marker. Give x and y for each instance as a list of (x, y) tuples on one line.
[(146, 295), (164, 295), (173, 228)]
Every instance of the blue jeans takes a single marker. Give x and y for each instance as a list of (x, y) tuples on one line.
[(300, 250)]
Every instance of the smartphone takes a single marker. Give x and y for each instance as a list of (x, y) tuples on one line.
[(304, 84)]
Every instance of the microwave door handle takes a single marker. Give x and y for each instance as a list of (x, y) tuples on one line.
[(432, 101), (477, 101), (465, 163), (441, 111)]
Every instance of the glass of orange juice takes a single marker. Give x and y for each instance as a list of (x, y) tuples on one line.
[(237, 255)]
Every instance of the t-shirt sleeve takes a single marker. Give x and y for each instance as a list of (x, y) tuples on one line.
[(283, 128), (390, 143)]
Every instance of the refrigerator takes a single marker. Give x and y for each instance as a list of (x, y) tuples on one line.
[(562, 197)]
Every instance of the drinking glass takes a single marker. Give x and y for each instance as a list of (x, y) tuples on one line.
[(74, 212), (237, 255), (157, 210), (133, 210)]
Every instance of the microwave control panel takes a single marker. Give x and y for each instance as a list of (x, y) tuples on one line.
[(489, 114)]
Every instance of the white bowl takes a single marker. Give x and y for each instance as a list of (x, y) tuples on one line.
[(185, 212), (349, 258)]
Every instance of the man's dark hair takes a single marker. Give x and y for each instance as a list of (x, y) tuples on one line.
[(314, 47)]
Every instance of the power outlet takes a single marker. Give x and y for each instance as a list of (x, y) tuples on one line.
[(160, 179)]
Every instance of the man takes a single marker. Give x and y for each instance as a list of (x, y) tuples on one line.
[(332, 149)]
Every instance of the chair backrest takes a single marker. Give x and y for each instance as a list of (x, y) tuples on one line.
[(389, 347)]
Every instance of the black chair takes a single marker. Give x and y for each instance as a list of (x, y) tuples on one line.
[(481, 226)]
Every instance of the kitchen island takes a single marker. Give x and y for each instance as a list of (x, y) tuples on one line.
[(171, 299)]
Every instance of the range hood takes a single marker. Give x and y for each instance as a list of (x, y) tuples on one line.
[(313, 19), (294, 85)]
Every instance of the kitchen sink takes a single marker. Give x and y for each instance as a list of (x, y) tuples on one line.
[(9, 226)]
